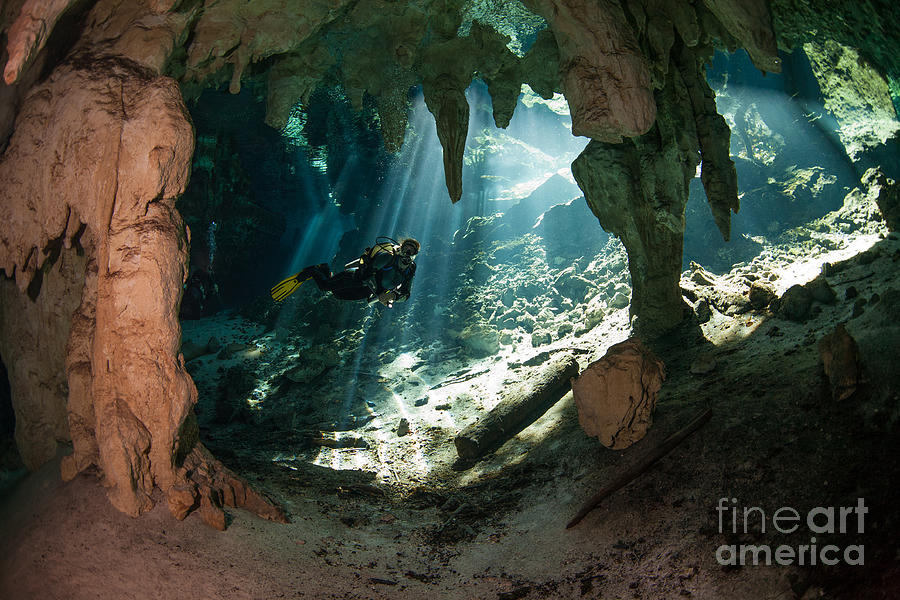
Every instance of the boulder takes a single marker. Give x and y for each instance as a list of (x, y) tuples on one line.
[(314, 361), (480, 339), (619, 301), (703, 311), (821, 291), (191, 350), (540, 338), (595, 312), (887, 196), (616, 395), (572, 285), (761, 295), (795, 303)]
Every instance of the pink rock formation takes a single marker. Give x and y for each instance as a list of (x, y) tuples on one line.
[(605, 77), (100, 151), (217, 487), (144, 34), (616, 395), (122, 145), (29, 33)]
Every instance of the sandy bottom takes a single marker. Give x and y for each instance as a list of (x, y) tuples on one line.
[(392, 527)]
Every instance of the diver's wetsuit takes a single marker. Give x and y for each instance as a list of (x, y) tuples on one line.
[(346, 285), (380, 273)]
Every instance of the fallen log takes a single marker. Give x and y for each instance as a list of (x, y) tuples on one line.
[(346, 442), (644, 464), (520, 407)]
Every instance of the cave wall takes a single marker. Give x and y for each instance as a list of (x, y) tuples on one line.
[(868, 27)]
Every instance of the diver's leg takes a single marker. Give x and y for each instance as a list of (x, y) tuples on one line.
[(346, 285), (321, 274)]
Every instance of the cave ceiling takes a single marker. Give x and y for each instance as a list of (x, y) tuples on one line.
[(609, 58)]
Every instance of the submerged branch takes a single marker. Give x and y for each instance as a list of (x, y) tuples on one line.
[(648, 461)]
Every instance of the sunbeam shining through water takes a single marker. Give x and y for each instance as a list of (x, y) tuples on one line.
[(501, 168), (515, 271)]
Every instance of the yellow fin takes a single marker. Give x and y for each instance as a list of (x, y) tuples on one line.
[(285, 288)]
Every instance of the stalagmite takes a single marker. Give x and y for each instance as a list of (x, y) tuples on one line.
[(121, 179)]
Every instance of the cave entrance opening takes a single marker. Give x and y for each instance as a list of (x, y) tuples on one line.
[(316, 383), (519, 267)]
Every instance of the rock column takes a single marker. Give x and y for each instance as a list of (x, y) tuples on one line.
[(638, 189)]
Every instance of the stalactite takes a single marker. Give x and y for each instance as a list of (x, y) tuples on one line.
[(447, 102), (29, 33), (717, 173), (750, 22), (605, 77)]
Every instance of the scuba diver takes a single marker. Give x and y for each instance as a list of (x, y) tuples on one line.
[(383, 272)]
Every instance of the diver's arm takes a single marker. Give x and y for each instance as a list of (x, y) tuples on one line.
[(388, 298), (405, 288)]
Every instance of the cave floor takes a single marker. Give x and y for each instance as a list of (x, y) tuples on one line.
[(395, 519)]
